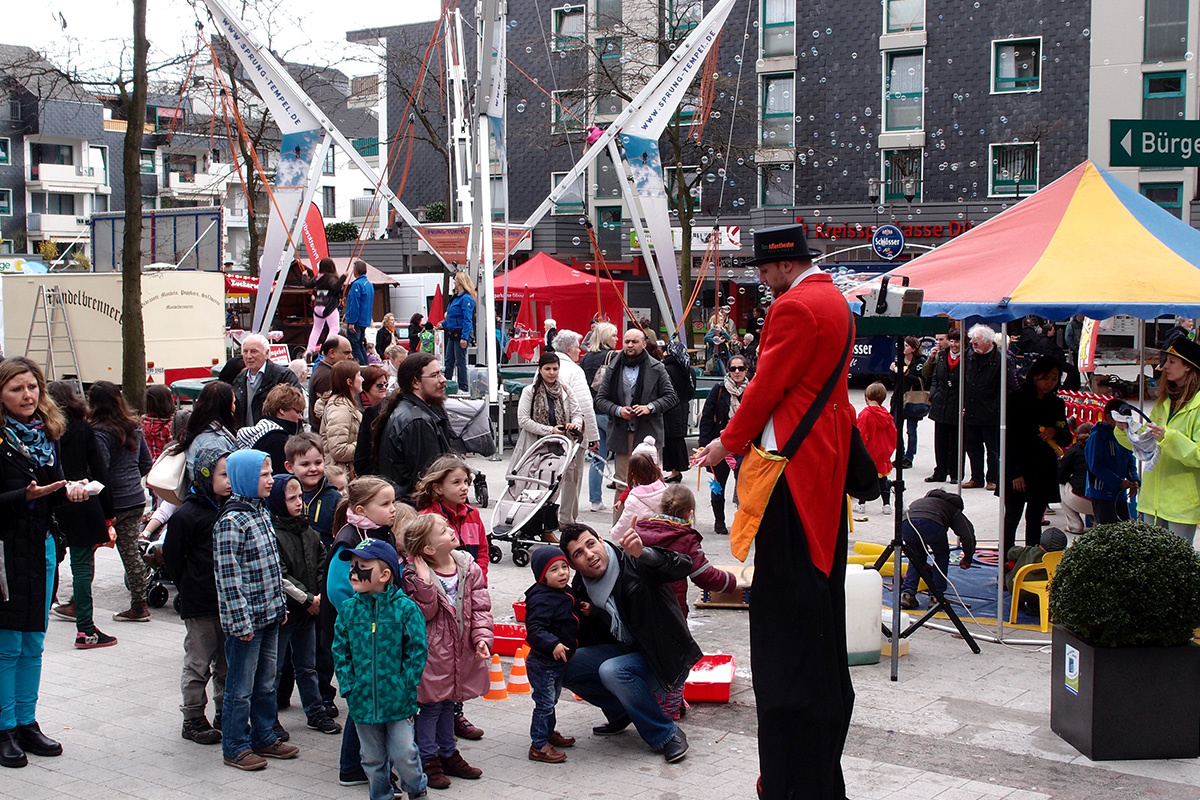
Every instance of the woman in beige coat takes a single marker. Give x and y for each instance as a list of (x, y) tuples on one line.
[(341, 416)]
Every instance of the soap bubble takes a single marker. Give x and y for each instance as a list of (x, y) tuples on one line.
[(575, 241)]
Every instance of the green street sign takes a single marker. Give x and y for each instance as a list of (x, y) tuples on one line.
[(1154, 143)]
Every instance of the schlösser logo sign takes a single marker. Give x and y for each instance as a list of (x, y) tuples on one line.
[(888, 242)]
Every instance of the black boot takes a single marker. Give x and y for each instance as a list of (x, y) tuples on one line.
[(719, 514), (32, 740), (11, 754)]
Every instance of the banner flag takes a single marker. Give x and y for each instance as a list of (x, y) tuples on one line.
[(314, 236), (645, 168)]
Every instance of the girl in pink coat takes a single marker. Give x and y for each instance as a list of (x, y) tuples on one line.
[(644, 497), (448, 586)]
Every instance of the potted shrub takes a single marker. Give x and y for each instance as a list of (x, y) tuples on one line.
[(1125, 675)]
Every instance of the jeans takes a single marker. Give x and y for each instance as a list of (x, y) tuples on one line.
[(83, 567), (621, 684), (1184, 530), (203, 658), (596, 474), (921, 535), (546, 681), (435, 730), (301, 633), (910, 438), (456, 356), (21, 662), (350, 757), (392, 740), (358, 344), (249, 692)]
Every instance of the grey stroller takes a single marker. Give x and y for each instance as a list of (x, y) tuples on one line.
[(528, 507)]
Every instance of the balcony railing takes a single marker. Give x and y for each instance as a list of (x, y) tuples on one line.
[(67, 174), (360, 207), (122, 125), (55, 224)]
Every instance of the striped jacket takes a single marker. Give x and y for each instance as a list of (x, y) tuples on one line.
[(249, 578)]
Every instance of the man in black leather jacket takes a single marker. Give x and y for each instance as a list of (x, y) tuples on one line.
[(634, 641), (414, 429)]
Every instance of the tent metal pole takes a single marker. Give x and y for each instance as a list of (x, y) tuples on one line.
[(962, 393), (1142, 364), (1003, 483)]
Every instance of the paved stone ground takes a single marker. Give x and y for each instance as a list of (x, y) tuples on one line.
[(956, 726)]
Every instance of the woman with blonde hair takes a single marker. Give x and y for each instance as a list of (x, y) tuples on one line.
[(459, 326)]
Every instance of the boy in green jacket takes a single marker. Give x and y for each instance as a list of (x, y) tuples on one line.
[(378, 656)]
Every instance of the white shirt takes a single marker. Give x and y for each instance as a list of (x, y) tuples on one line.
[(768, 434)]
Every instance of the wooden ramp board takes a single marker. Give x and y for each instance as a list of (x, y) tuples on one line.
[(738, 598)]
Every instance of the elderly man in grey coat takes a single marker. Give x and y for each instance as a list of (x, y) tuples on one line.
[(570, 374), (635, 393)]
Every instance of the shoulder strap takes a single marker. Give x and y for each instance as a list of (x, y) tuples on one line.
[(818, 404)]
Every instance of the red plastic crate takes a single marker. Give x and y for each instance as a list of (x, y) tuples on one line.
[(519, 610), (507, 638), (710, 680)]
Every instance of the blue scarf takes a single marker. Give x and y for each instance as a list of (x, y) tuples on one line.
[(33, 440)]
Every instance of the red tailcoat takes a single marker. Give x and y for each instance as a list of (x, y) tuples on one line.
[(802, 340)]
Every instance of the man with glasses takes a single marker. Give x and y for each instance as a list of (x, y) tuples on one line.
[(416, 430), (334, 350)]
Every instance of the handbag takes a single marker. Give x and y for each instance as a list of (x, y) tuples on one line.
[(761, 470), (602, 371), (168, 476), (916, 402)]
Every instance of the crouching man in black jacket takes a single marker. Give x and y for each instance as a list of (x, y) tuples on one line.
[(633, 638)]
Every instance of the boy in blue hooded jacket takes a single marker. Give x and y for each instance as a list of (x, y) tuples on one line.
[(251, 601)]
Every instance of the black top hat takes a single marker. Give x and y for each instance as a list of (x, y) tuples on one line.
[(1186, 349), (782, 243)]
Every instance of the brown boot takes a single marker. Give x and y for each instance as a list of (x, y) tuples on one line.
[(547, 755), (138, 612), (435, 774), (457, 767)]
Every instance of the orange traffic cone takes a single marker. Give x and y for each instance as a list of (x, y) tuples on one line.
[(518, 678), (496, 674)]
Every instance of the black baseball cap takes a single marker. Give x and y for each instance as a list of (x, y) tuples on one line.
[(781, 243)]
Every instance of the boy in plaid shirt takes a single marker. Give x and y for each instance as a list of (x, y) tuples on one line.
[(252, 605)]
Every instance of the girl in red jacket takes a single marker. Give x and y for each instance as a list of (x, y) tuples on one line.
[(878, 431), (447, 585), (443, 490)]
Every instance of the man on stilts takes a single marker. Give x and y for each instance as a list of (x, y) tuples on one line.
[(801, 678)]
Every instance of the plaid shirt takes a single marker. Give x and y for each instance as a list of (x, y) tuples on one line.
[(249, 578), (158, 434)]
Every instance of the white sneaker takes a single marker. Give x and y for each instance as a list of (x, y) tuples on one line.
[(860, 508), (887, 510), (596, 507)]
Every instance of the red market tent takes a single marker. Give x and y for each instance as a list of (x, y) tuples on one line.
[(567, 295)]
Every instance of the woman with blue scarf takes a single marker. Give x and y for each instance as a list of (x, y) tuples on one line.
[(31, 484)]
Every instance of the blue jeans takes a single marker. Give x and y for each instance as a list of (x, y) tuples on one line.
[(301, 633), (596, 473), (249, 692), (546, 681), (934, 537), (435, 729), (350, 758), (910, 439), (21, 661), (392, 740), (621, 684), (358, 344), (456, 356)]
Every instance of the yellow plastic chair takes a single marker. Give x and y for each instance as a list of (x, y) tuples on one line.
[(1041, 588)]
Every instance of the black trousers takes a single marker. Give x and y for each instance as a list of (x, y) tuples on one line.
[(1016, 505), (798, 658), (1110, 510), (945, 450), (326, 618), (975, 438), (721, 472)]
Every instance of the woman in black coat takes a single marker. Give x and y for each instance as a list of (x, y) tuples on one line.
[(908, 379), (675, 420), (719, 408), (31, 486), (942, 370), (1037, 424), (85, 525)]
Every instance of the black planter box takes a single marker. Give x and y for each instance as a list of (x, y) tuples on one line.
[(1125, 702)]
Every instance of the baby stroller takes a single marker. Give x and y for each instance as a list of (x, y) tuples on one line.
[(471, 432), (527, 509), (157, 579)]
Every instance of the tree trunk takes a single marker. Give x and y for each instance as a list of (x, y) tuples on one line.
[(133, 333)]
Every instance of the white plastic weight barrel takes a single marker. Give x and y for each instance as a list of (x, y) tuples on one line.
[(864, 594)]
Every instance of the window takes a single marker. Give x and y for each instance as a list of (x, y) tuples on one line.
[(98, 160), (496, 183), (570, 109), (5, 202), (1167, 195), (1014, 170), (608, 13), (10, 110), (608, 235), (608, 74), (571, 201), (327, 166), (606, 180), (1163, 95), (779, 28), (904, 89), (684, 16), (778, 110), (902, 174), (52, 154), (328, 201), (691, 179), (148, 203), (53, 203), (904, 15), (776, 185), (367, 146), (99, 203), (1166, 30), (1017, 65), (147, 162), (570, 27), (5, 151)]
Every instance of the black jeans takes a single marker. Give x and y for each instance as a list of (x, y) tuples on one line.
[(975, 439), (1105, 511), (945, 450), (1014, 503)]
